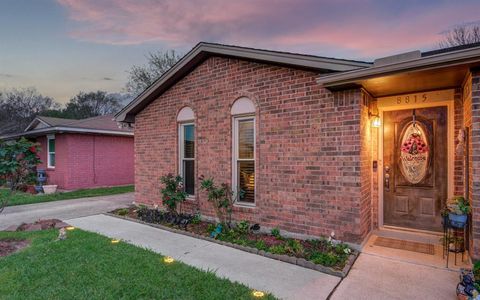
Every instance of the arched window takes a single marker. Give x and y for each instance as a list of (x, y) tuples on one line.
[(243, 114), (186, 147), (243, 106)]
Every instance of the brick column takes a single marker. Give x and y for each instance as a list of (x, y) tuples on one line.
[(474, 157)]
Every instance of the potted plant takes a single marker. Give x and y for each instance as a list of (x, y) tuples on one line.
[(458, 208)]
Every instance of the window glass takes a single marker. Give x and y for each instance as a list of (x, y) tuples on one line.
[(246, 181), (51, 153), (189, 176), (189, 141), (245, 139), (244, 165), (187, 156)]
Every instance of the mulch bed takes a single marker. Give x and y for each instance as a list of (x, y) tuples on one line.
[(201, 230), (9, 246), (39, 225)]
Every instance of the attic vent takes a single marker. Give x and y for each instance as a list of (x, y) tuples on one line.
[(397, 58)]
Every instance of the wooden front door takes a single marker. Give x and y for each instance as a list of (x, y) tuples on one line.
[(415, 167)]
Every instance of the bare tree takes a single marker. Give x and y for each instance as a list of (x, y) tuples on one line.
[(18, 107), (92, 104), (461, 35), (141, 77)]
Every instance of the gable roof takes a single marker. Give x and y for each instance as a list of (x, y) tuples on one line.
[(202, 51), (96, 125)]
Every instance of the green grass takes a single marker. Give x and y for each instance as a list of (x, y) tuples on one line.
[(19, 198), (88, 266)]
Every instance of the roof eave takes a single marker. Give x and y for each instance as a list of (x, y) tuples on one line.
[(441, 60), (64, 129), (204, 50)]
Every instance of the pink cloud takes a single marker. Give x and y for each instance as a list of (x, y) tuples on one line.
[(363, 28)]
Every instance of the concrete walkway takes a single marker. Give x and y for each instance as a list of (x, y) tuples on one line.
[(65, 209), (285, 281), (373, 277)]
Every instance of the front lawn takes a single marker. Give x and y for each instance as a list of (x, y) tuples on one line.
[(89, 266), (19, 198)]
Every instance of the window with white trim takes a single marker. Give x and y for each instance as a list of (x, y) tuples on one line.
[(187, 156), (51, 151), (186, 148), (243, 165)]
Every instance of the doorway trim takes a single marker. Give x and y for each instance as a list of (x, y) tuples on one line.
[(425, 100)]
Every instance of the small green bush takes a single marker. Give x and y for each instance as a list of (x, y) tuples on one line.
[(293, 247), (211, 228), (260, 245), (122, 212), (276, 232), (243, 227), (277, 249), (196, 218), (327, 259)]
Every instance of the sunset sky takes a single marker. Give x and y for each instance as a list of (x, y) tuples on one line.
[(65, 46)]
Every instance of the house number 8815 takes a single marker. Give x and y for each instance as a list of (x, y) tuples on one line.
[(417, 98)]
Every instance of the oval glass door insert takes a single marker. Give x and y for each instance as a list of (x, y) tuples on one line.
[(414, 153)]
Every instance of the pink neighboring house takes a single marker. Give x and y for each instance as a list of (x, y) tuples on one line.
[(84, 153)]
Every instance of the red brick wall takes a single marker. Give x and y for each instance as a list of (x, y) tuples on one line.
[(472, 120), (366, 173), (308, 167), (84, 161)]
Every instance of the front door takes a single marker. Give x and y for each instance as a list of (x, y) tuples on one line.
[(415, 167)]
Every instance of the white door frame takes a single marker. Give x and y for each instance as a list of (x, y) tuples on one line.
[(434, 99)]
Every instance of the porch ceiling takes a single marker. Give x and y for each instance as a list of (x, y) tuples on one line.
[(409, 72), (409, 82)]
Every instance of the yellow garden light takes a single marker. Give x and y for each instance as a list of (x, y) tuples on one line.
[(69, 228), (258, 294), (168, 259), (115, 241)]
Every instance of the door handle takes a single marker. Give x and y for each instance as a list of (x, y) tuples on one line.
[(386, 178)]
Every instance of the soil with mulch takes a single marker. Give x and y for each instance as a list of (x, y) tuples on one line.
[(9, 246), (39, 225), (203, 228)]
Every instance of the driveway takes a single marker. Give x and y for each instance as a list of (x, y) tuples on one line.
[(63, 210)]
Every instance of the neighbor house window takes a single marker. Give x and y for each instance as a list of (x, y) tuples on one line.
[(186, 146), (244, 150), (51, 151)]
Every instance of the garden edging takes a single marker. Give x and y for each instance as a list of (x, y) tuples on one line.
[(285, 258)]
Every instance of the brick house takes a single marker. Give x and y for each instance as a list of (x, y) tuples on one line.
[(316, 144), (84, 153)]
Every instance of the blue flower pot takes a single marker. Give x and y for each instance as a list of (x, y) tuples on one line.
[(458, 221)]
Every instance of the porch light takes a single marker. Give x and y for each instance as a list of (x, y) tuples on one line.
[(168, 260), (375, 119), (258, 294)]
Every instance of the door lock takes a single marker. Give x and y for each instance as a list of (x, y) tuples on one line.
[(386, 178)]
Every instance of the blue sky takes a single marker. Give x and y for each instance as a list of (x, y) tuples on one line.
[(65, 46)]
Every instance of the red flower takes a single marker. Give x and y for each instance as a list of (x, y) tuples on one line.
[(33, 149)]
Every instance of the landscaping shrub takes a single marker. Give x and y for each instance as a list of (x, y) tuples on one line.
[(221, 197), (172, 192), (243, 227), (276, 232), (18, 162)]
